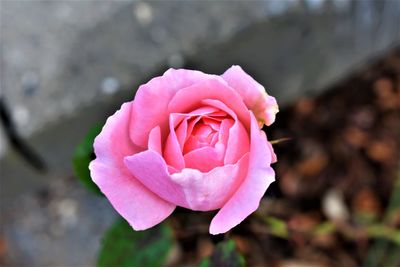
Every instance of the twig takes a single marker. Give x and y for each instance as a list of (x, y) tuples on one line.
[(280, 140)]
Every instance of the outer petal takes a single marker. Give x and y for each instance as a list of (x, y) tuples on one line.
[(150, 168), (139, 206), (247, 198), (209, 191), (189, 188), (273, 155), (253, 94), (152, 98)]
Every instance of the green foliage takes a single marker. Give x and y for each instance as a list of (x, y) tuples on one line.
[(324, 228), (277, 227), (383, 252), (83, 156), (225, 255), (124, 247)]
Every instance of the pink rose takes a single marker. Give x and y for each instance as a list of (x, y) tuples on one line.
[(188, 139)]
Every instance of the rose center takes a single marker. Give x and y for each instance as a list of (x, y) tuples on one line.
[(204, 133)]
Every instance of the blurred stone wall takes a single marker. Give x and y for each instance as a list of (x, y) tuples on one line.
[(57, 56), (61, 55), (299, 53)]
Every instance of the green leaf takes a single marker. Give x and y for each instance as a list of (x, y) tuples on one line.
[(382, 252), (83, 156), (125, 247), (324, 228), (277, 227), (225, 255)]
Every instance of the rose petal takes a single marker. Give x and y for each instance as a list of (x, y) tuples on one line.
[(172, 151), (223, 136), (194, 117), (214, 123), (155, 140), (254, 95), (191, 97), (150, 169), (139, 206), (181, 133), (273, 155), (151, 101), (247, 198), (209, 191), (203, 159), (238, 141)]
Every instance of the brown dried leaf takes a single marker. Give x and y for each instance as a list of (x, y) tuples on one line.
[(366, 201), (355, 136), (380, 151), (312, 165), (304, 106)]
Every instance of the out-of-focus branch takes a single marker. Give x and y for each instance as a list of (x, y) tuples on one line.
[(23, 149)]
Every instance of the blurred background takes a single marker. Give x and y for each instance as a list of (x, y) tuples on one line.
[(334, 67)]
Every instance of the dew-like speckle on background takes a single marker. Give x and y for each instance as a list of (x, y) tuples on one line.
[(143, 13), (110, 85), (67, 211), (20, 115)]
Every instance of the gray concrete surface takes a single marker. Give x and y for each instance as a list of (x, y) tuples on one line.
[(60, 55), (57, 56), (295, 55), (59, 225), (68, 64)]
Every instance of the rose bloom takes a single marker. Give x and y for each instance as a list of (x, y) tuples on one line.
[(192, 140)]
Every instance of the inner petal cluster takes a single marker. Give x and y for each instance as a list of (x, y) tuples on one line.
[(198, 139), (204, 133)]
